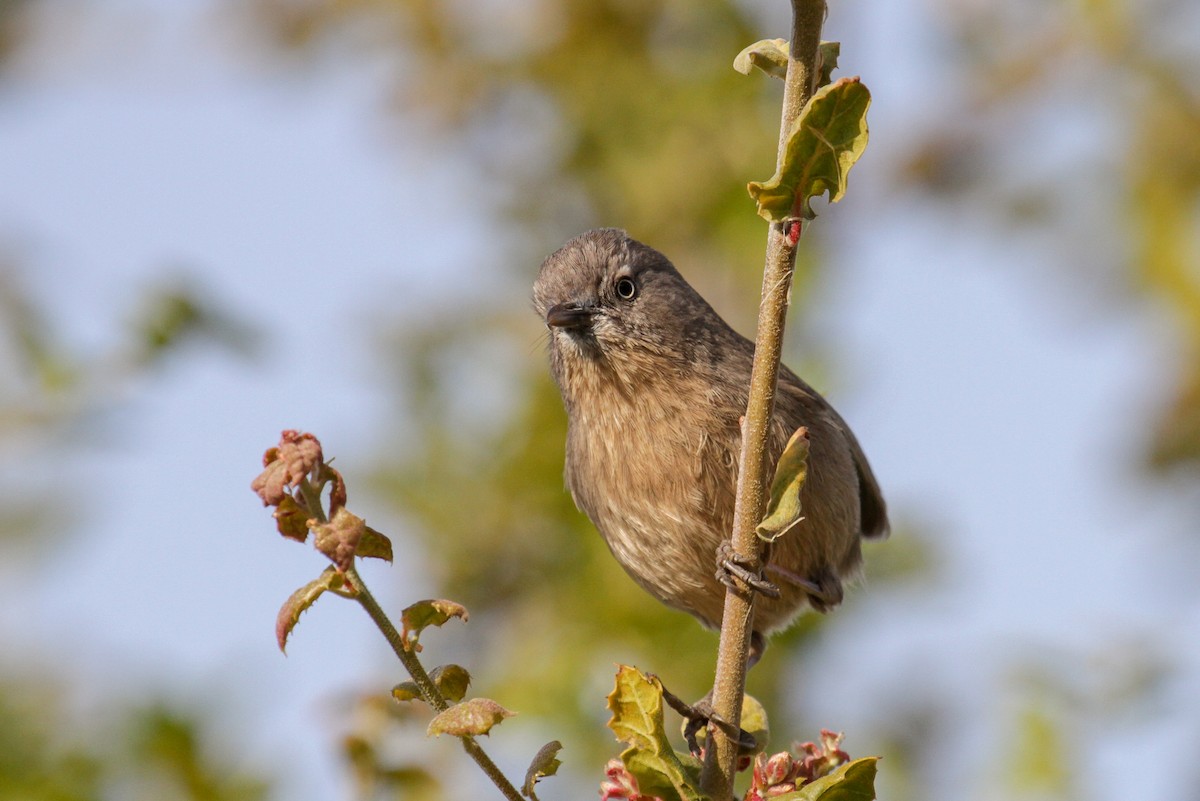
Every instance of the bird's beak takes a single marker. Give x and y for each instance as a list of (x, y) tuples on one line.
[(569, 315)]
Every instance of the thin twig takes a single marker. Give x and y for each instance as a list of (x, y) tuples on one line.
[(429, 690), (717, 781), (424, 683)]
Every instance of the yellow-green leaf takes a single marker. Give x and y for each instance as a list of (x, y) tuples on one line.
[(636, 703), (769, 55), (825, 141), (754, 721), (783, 505), (407, 691), (302, 599), (545, 763), (475, 717), (451, 680), (854, 781)]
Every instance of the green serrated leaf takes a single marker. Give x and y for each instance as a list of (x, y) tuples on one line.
[(783, 505), (825, 141), (854, 781), (302, 599), (827, 59), (636, 703), (545, 763), (475, 717), (769, 55), (451, 680), (432, 612)]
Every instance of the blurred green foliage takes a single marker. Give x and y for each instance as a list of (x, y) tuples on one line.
[(38, 762), (49, 753)]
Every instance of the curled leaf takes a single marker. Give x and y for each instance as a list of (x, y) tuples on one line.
[(451, 680), (286, 465), (475, 717), (769, 55), (337, 495), (407, 691), (426, 613), (824, 142), (827, 59), (338, 539), (545, 763), (783, 506), (291, 519), (302, 599), (636, 703)]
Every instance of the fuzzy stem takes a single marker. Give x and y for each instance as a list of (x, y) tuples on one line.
[(717, 781), (407, 656)]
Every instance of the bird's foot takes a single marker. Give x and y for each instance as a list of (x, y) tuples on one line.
[(731, 566), (698, 715)]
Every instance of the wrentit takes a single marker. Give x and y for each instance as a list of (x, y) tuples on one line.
[(655, 384)]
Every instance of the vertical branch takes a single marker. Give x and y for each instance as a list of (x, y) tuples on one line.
[(807, 18)]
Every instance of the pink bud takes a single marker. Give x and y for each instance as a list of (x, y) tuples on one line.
[(778, 768)]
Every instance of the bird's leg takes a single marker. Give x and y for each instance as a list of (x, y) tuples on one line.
[(731, 565), (699, 715)]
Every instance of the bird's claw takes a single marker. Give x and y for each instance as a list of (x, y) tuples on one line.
[(699, 715), (730, 566)]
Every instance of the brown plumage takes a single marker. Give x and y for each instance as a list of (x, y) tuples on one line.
[(654, 383)]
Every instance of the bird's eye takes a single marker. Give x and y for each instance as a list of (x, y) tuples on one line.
[(626, 288)]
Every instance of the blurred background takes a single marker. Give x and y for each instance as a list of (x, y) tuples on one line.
[(221, 219)]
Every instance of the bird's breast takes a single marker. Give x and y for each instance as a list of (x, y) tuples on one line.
[(652, 464)]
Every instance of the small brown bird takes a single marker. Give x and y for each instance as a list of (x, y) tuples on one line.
[(655, 384)]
